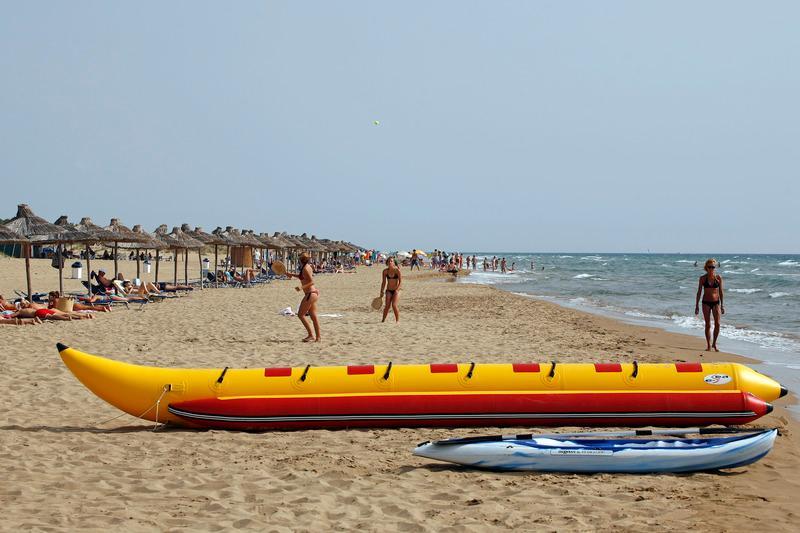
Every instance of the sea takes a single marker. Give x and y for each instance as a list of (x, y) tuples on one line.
[(761, 292)]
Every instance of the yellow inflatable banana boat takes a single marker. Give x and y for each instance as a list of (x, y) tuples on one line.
[(390, 395)]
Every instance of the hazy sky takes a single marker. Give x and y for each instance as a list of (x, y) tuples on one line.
[(513, 126)]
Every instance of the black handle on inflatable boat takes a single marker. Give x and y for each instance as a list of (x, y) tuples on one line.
[(388, 371), (471, 369), (635, 369), (222, 376), (305, 373), (552, 370)]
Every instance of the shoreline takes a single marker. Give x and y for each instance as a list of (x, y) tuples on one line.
[(756, 356), (67, 470)]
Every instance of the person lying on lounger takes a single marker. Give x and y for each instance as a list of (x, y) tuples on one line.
[(52, 296), (5, 305), (8, 320), (247, 276), (43, 313)]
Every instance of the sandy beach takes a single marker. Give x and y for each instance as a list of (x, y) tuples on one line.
[(64, 468)]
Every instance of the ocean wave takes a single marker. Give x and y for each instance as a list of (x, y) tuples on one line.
[(583, 276), (789, 263), (765, 339), (685, 261), (779, 294), (592, 258), (640, 314), (755, 270), (565, 256), (744, 291)]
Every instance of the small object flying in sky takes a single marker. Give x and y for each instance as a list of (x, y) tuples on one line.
[(376, 122)]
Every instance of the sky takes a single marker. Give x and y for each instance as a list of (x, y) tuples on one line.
[(504, 126)]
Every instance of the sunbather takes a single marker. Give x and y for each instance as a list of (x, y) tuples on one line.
[(52, 296), (13, 321), (44, 313), (5, 305)]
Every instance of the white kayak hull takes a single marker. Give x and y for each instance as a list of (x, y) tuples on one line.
[(612, 455)]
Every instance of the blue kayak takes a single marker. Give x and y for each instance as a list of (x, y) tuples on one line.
[(589, 455)]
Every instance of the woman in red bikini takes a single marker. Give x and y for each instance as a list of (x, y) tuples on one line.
[(710, 288), (308, 305)]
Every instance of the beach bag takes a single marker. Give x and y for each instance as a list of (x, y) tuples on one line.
[(65, 304), (57, 261)]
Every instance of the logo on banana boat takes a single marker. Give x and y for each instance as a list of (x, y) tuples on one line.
[(717, 379), (581, 451)]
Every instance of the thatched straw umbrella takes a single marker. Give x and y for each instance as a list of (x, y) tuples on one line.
[(228, 240), (121, 234), (249, 237), (178, 240), (9, 236), (234, 238), (40, 231), (103, 236), (148, 242), (209, 239), (71, 234)]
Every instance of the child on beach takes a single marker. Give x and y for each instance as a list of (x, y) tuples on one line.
[(710, 287)]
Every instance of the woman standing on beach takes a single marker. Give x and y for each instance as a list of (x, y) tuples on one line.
[(308, 305), (710, 287), (390, 281)]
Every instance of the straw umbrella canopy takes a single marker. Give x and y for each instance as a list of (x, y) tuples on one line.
[(150, 242), (280, 241), (189, 243), (178, 240), (206, 239), (9, 236), (40, 231), (121, 234), (209, 239)]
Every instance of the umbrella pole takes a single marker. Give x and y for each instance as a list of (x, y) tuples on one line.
[(137, 264), (89, 269), (175, 259), (116, 249), (216, 266), (200, 258), (186, 266), (60, 270), (158, 258), (27, 248)]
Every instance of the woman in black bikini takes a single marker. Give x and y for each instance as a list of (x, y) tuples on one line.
[(308, 305), (391, 280), (710, 287)]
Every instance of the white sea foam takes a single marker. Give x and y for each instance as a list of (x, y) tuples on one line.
[(765, 339), (583, 276), (778, 294), (640, 314), (592, 258), (755, 270), (745, 291), (789, 263), (684, 261), (565, 256)]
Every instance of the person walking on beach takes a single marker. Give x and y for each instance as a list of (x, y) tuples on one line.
[(308, 305), (710, 287), (390, 286)]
